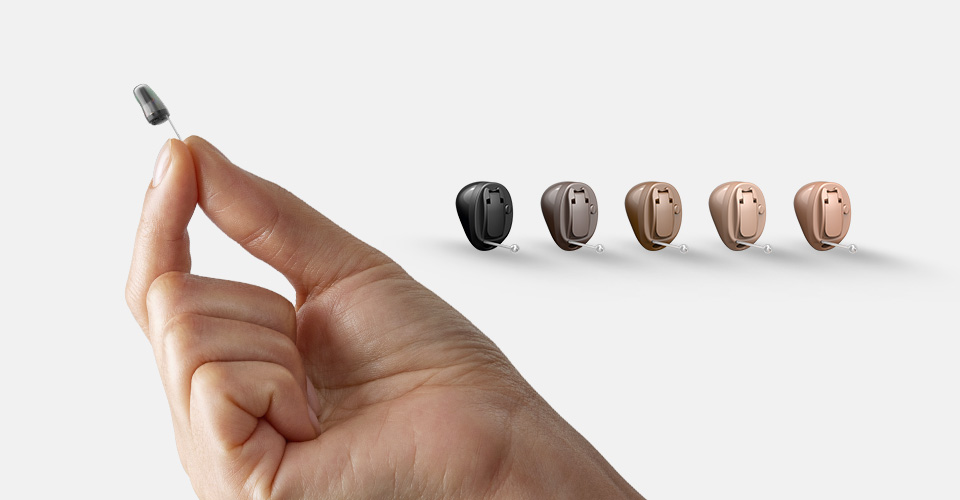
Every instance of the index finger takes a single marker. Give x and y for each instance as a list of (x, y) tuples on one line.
[(275, 226), (162, 244)]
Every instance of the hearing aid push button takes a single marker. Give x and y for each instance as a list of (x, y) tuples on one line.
[(749, 212), (832, 213), (579, 213), (664, 212), (496, 212)]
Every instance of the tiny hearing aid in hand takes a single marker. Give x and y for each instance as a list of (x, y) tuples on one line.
[(823, 210), (739, 212), (486, 213), (153, 108), (570, 210), (655, 211)]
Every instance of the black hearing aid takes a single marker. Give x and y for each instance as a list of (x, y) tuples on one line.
[(486, 213)]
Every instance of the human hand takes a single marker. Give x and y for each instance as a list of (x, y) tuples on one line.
[(370, 387)]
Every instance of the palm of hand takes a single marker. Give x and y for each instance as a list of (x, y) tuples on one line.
[(426, 393)]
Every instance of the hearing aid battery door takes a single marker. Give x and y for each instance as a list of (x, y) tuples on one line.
[(739, 212), (486, 213), (655, 213), (823, 210), (570, 211)]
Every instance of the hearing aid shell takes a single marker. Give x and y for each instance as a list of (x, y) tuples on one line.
[(486, 213), (739, 211), (570, 211), (823, 211), (655, 213)]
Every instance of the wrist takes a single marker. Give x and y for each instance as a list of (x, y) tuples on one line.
[(550, 459)]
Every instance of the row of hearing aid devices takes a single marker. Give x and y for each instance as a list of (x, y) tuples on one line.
[(654, 210)]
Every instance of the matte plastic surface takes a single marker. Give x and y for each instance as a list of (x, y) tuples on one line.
[(570, 211), (739, 212), (655, 213), (486, 213), (823, 211)]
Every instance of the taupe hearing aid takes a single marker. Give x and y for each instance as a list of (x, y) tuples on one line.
[(655, 211), (823, 210), (739, 212), (570, 210)]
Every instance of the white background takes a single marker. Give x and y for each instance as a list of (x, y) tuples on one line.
[(715, 374)]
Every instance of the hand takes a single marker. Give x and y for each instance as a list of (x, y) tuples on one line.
[(370, 387)]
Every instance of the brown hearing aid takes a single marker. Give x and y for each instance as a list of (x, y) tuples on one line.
[(739, 212), (823, 210), (655, 213), (570, 211)]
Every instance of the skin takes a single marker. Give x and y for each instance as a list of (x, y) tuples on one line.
[(370, 386)]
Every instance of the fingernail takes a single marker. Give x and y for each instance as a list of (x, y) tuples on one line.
[(314, 420), (313, 405), (312, 398), (163, 161)]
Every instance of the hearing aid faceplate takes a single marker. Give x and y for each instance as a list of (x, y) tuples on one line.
[(823, 210), (486, 213), (739, 211), (655, 212), (570, 210)]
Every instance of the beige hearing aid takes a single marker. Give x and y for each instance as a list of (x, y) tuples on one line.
[(823, 210), (739, 212), (655, 212)]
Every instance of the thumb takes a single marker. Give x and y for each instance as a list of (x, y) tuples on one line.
[(162, 244), (276, 226)]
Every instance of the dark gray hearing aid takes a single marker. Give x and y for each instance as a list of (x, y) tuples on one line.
[(486, 213), (153, 108), (570, 210), (655, 211)]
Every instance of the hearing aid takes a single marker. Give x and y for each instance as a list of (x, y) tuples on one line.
[(486, 214), (153, 108), (739, 211), (823, 210), (655, 213), (570, 211)]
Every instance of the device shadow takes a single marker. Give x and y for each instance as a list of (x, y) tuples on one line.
[(628, 254), (462, 249), (841, 259)]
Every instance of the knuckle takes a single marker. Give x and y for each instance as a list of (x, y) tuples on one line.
[(132, 298), (181, 334), (289, 354), (166, 288), (289, 315), (279, 379), (208, 378)]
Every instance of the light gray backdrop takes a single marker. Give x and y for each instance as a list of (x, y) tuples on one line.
[(715, 374)]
